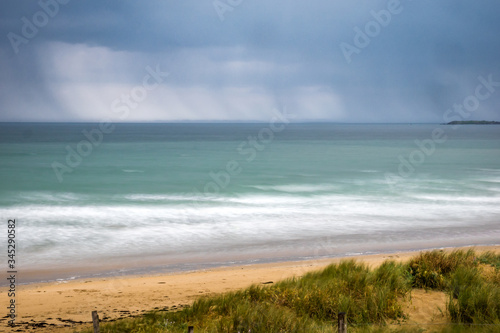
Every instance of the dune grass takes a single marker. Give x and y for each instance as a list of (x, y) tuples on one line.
[(474, 290), (432, 270), (372, 299)]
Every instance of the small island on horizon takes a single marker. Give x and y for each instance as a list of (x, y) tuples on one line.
[(473, 122)]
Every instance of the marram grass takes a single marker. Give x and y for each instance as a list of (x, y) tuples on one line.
[(372, 299)]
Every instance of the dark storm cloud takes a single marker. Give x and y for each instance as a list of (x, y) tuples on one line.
[(248, 58)]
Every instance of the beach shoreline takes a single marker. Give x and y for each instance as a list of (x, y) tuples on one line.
[(324, 248), (63, 305)]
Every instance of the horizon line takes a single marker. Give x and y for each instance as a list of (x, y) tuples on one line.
[(221, 122)]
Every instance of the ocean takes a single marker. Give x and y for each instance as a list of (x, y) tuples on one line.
[(92, 200)]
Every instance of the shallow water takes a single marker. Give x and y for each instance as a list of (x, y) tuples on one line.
[(168, 195)]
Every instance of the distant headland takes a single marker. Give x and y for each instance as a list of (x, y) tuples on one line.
[(473, 122)]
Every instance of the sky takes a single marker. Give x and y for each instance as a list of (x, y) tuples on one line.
[(241, 60)]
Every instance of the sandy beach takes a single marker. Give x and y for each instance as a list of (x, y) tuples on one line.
[(66, 306)]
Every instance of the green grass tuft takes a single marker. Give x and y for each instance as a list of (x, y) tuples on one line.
[(433, 269), (490, 258), (473, 299), (372, 298)]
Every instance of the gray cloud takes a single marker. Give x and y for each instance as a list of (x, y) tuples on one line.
[(263, 55)]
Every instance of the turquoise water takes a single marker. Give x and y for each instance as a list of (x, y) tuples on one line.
[(180, 195)]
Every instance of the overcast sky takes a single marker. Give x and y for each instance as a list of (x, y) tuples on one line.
[(343, 61)]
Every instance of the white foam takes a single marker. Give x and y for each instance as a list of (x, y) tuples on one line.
[(489, 180), (68, 232), (458, 198), (49, 197), (258, 200), (297, 188), (155, 197), (488, 170)]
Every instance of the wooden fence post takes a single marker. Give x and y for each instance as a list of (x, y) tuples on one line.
[(342, 322), (95, 321), (190, 329)]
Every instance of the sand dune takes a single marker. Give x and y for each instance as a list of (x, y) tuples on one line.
[(64, 306)]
